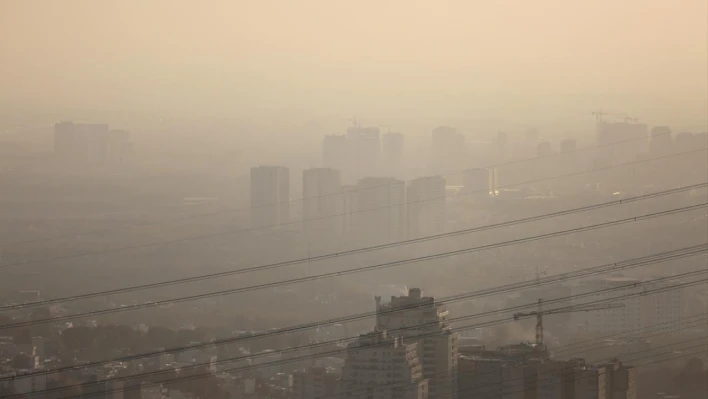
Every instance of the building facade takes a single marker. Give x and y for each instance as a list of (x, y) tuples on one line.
[(270, 195), (380, 366), (422, 319)]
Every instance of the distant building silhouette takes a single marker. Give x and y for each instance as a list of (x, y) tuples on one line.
[(379, 210), (364, 145), (392, 153), (322, 204), (621, 142), (90, 143), (270, 193)]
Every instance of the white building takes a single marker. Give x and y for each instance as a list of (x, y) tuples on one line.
[(379, 366)]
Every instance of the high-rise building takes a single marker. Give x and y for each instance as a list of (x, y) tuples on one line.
[(364, 145), (621, 142), (315, 383), (270, 195), (392, 153), (448, 150), (663, 308), (322, 204), (81, 142), (425, 207), (620, 381), (517, 372), (380, 366), (482, 377), (424, 320), (90, 143), (378, 214)]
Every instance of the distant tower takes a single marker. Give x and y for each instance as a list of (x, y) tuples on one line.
[(321, 205), (270, 193), (81, 142), (378, 214), (392, 152), (364, 147)]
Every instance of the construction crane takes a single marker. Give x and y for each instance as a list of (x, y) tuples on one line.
[(540, 312), (600, 113)]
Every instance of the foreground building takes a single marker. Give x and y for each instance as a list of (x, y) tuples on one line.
[(380, 366), (423, 320), (521, 372)]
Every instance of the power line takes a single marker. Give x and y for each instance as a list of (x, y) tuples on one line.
[(230, 232), (316, 196), (358, 269), (448, 379), (590, 343), (422, 326), (553, 371), (631, 263), (357, 250), (417, 337)]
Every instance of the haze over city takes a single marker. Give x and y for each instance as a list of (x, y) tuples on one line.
[(375, 199)]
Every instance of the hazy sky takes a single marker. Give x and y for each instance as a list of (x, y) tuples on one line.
[(338, 55)]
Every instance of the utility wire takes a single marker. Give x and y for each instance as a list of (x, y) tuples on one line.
[(230, 232), (356, 270), (355, 251), (632, 263), (340, 351), (220, 212), (270, 364)]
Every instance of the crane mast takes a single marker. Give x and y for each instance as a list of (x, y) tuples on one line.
[(540, 312)]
